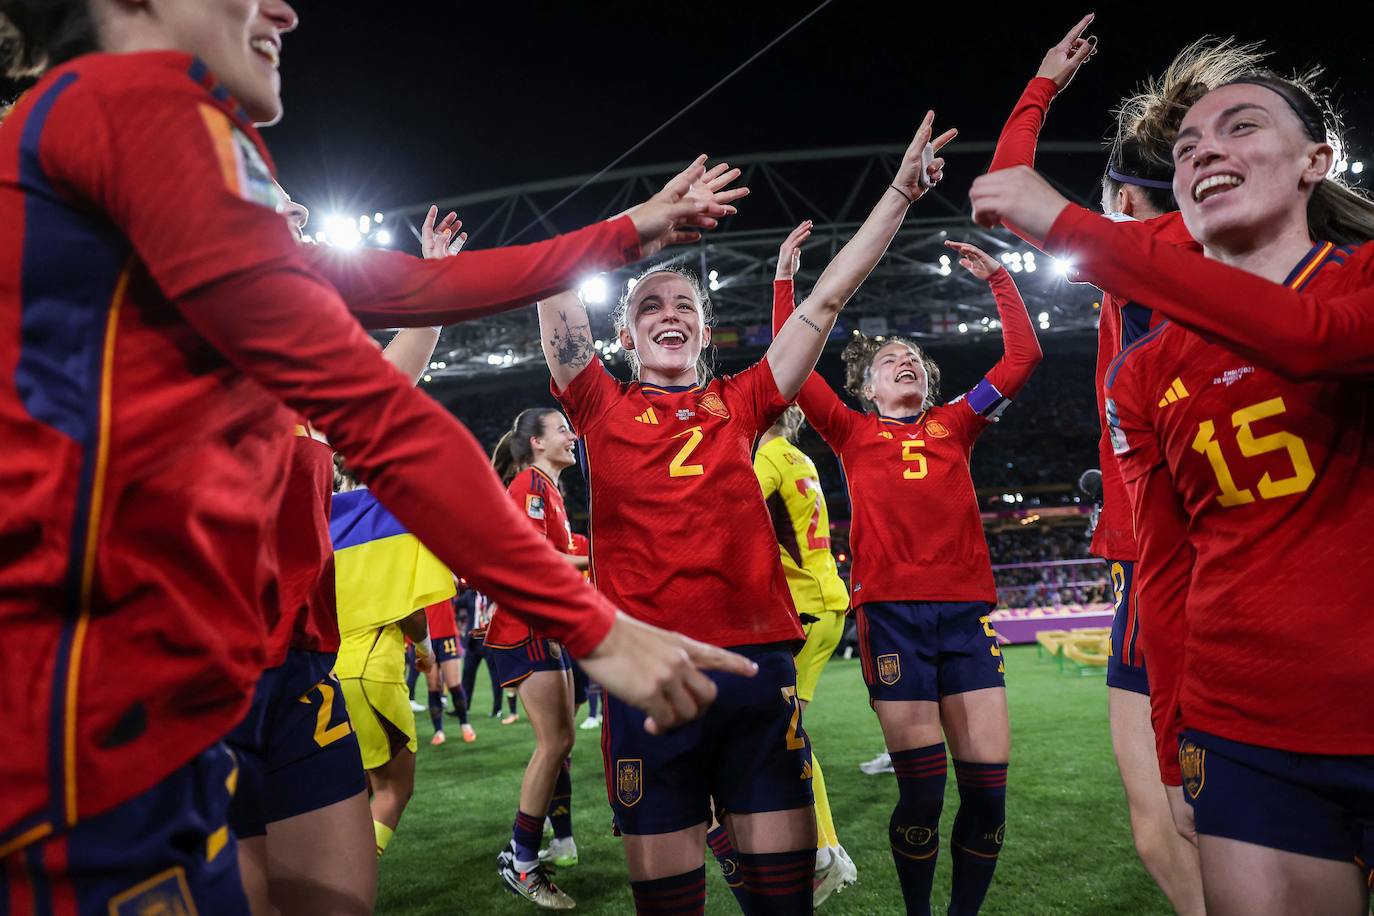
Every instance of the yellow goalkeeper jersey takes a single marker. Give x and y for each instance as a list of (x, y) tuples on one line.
[(792, 490)]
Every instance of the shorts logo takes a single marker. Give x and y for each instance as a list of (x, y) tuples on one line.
[(712, 404), (889, 669), (555, 649), (1192, 760), (629, 781), (165, 894), (936, 430)]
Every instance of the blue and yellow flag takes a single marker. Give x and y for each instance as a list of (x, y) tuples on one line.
[(382, 572)]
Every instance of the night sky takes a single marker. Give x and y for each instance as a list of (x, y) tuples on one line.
[(397, 103)]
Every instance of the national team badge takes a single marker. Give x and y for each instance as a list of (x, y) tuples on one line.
[(534, 506), (1192, 760), (629, 781), (166, 893), (936, 430), (889, 669), (712, 404), (885, 434), (241, 166)]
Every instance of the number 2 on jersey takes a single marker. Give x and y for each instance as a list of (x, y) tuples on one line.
[(678, 466), (813, 542), (324, 735), (1205, 443)]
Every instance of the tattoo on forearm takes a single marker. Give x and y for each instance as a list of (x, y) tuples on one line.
[(572, 346), (809, 323)]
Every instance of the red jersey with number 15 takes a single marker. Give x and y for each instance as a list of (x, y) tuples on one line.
[(538, 498), (681, 537), (1271, 481)]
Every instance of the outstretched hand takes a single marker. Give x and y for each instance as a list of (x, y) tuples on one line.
[(694, 200), (443, 240), (789, 253), (921, 168), (974, 259), (1073, 50)]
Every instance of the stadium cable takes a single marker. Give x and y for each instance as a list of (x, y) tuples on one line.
[(655, 132)]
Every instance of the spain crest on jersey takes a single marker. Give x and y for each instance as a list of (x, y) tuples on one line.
[(164, 893), (712, 404), (889, 669), (629, 781), (1192, 760), (936, 430)]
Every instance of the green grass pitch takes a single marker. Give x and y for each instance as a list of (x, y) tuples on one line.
[(1068, 848)]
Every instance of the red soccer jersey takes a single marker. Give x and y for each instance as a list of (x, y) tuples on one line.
[(1120, 322), (141, 363), (537, 497), (915, 529), (1253, 495), (681, 537), (305, 555), (443, 624)]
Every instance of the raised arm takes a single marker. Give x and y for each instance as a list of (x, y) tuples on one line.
[(410, 350), (798, 343), (1021, 351), (565, 332)]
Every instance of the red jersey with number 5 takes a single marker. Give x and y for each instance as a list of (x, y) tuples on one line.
[(1271, 484), (538, 498), (681, 537)]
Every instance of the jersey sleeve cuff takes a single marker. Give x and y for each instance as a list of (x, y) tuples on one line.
[(591, 630), (1073, 231), (627, 239)]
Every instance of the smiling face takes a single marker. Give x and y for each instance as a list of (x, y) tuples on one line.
[(1244, 166), (666, 328), (556, 443), (897, 380)]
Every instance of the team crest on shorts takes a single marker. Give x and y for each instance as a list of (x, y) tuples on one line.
[(712, 404), (1192, 760), (165, 893), (936, 430), (889, 669), (555, 649), (629, 781)]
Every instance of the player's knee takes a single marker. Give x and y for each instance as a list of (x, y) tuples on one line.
[(914, 831)]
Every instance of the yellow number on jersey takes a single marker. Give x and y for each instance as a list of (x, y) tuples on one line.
[(1303, 474), (676, 468), (909, 453)]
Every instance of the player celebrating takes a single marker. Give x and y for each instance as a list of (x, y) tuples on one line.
[(1138, 186), (930, 656), (143, 492), (801, 522), (529, 459), (657, 448), (1246, 460), (447, 672)]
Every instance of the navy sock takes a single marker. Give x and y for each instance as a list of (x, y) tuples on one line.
[(511, 701), (460, 703), (436, 709), (560, 806), (527, 832), (977, 836), (914, 830), (678, 895), (593, 701), (778, 883), (724, 851)]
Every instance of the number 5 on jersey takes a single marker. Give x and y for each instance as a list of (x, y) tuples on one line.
[(918, 459)]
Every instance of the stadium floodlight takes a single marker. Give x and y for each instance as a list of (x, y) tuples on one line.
[(593, 290), (377, 218), (713, 275), (944, 260), (493, 360), (342, 232), (1043, 317), (963, 328), (1061, 267), (630, 284), (364, 224), (1006, 257), (713, 285), (383, 237), (1357, 166), (1342, 165), (428, 377), (320, 236)]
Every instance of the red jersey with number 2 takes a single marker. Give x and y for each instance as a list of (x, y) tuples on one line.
[(681, 537), (538, 498)]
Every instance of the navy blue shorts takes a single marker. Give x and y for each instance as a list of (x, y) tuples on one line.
[(168, 850), (446, 649), (515, 664), (580, 684), (1312, 804), (749, 753), (1126, 664), (296, 748), (925, 650)]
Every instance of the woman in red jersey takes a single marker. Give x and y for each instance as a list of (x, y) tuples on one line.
[(529, 459), (1136, 186), (681, 537), (923, 596), (141, 494), (1246, 459)]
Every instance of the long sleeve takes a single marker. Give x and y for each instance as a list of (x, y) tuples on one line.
[(1021, 351), (823, 408), (1161, 591), (388, 289), (1016, 144), (1300, 335)]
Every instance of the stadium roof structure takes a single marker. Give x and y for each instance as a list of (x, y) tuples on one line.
[(910, 292)]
